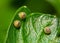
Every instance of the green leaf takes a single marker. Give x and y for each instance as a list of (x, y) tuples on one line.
[(39, 23), (11, 28), (32, 28), (56, 4)]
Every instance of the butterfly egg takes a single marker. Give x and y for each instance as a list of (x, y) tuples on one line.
[(17, 23), (47, 30), (22, 15)]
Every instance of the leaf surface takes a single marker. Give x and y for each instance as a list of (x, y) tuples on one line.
[(32, 28)]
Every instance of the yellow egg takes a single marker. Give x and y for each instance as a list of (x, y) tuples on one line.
[(17, 23), (22, 15), (47, 30)]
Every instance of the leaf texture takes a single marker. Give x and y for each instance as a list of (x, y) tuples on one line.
[(32, 28)]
